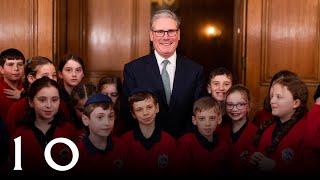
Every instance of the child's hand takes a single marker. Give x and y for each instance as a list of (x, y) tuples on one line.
[(262, 162), (13, 93)]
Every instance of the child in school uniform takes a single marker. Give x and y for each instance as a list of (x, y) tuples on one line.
[(151, 149), (11, 87), (220, 81), (279, 140), (265, 113), (71, 73), (204, 152), (42, 124), (100, 152), (79, 96), (239, 130), (311, 143), (35, 68), (112, 87)]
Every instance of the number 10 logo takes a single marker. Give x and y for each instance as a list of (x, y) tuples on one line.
[(47, 154)]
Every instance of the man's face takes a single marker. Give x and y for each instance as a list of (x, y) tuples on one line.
[(165, 44)]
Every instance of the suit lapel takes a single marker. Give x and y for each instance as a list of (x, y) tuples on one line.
[(178, 76), (154, 73)]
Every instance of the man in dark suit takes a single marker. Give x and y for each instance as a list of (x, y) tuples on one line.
[(176, 80)]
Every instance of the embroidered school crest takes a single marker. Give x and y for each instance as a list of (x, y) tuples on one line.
[(287, 154), (244, 155), (118, 163), (64, 154), (163, 160)]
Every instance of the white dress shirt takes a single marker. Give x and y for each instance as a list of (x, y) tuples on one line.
[(171, 67)]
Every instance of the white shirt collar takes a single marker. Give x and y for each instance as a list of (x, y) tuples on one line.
[(172, 59)]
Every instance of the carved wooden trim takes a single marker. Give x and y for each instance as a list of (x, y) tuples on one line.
[(265, 75), (83, 23), (264, 80), (134, 26), (33, 22)]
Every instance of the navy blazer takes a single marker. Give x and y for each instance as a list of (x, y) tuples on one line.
[(188, 86)]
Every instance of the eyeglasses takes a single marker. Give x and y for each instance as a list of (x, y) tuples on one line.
[(239, 106), (170, 32)]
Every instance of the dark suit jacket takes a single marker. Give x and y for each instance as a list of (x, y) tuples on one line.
[(188, 86)]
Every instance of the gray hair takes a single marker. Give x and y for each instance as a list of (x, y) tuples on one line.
[(164, 13)]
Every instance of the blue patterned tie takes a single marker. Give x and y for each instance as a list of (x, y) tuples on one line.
[(166, 80)]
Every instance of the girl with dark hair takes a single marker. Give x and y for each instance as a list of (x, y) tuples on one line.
[(36, 67), (42, 124), (71, 74)]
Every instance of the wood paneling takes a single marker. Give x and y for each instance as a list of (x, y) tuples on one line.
[(16, 25), (59, 29), (27, 25), (290, 38), (282, 34), (76, 14), (108, 33), (45, 28)]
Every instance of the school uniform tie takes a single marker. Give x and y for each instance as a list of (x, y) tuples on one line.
[(166, 80)]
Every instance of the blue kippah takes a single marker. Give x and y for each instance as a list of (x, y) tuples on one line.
[(98, 98)]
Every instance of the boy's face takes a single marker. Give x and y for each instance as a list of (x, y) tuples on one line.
[(218, 87), (282, 103), (100, 122), (13, 70), (145, 111), (206, 122), (237, 106)]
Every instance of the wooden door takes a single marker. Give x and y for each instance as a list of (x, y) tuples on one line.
[(281, 34), (108, 33), (27, 25)]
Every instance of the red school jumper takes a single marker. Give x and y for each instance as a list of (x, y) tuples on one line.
[(198, 156), (5, 103), (288, 154), (33, 143), (151, 156), (93, 161), (17, 112)]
